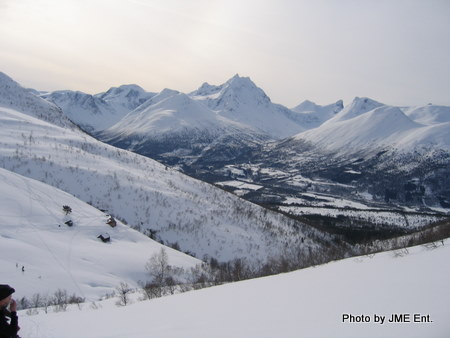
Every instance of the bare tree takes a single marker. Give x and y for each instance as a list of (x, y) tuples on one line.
[(122, 291), (159, 269), (60, 300)]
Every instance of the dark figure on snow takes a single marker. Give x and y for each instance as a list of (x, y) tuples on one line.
[(8, 318)]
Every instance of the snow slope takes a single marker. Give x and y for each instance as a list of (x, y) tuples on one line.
[(359, 127), (305, 303), (240, 100), (357, 107), (429, 114), (13, 95), (55, 256), (311, 115), (127, 97), (100, 111), (172, 112)]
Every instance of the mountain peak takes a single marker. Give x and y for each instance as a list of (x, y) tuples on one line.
[(312, 115), (239, 81), (13, 95), (122, 90), (358, 106), (4, 79)]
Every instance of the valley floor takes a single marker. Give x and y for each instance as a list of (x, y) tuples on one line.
[(338, 299)]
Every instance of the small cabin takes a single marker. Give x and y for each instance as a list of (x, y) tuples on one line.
[(111, 221), (69, 223), (105, 238)]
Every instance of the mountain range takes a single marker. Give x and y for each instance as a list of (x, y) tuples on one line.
[(366, 151)]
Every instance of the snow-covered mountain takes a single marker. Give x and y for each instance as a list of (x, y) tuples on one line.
[(240, 100), (171, 112), (429, 114), (211, 124), (312, 302), (13, 95), (146, 195), (386, 153), (358, 106), (100, 111), (35, 236), (311, 115), (173, 125), (369, 124), (127, 97)]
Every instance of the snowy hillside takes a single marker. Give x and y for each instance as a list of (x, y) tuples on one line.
[(240, 100), (381, 127), (127, 97), (173, 125), (429, 114), (355, 129), (358, 106), (215, 123), (14, 96), (176, 209), (100, 111), (311, 115), (351, 298), (35, 236), (172, 112)]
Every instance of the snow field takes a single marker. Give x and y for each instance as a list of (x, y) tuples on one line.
[(306, 303)]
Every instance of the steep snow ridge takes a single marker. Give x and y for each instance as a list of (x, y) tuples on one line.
[(170, 112), (359, 106), (311, 115), (100, 111), (240, 100), (305, 303), (55, 256), (206, 91), (12, 95), (87, 111), (127, 96), (383, 126)]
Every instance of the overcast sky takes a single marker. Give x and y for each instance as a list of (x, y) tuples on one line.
[(394, 51)]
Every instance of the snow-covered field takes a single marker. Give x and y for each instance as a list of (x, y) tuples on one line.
[(345, 299)]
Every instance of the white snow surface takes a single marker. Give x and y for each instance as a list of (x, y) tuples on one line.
[(366, 124), (305, 303), (312, 115), (100, 111), (55, 256), (13, 95), (358, 106), (240, 100), (172, 112), (429, 114)]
